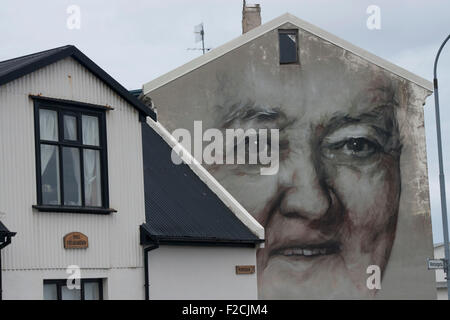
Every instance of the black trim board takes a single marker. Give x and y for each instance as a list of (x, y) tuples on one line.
[(33, 62), (74, 103), (66, 209), (146, 238)]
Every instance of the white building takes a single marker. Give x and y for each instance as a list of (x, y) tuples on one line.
[(72, 188), (441, 282)]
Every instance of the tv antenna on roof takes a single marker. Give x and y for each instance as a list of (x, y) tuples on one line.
[(200, 36)]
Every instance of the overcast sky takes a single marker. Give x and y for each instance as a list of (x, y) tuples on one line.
[(137, 41)]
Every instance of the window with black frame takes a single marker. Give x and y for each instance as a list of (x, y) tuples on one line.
[(71, 157), (288, 44), (89, 289)]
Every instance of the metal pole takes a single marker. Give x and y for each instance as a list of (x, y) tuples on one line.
[(203, 39), (441, 170)]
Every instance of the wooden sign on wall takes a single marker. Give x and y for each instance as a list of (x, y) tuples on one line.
[(75, 240), (245, 269)]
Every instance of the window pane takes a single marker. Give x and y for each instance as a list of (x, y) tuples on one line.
[(90, 130), (70, 127), (50, 174), (288, 47), (50, 292), (71, 176), (48, 125), (92, 178), (70, 294), (91, 291)]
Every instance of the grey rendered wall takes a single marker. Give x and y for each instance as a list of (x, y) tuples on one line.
[(327, 78)]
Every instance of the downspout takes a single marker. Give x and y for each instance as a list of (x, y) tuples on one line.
[(147, 284)]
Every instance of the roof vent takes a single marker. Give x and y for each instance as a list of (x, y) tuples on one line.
[(251, 17)]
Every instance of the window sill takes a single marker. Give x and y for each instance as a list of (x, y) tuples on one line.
[(66, 209)]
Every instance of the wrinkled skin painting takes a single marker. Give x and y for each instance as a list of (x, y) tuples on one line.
[(331, 211), (352, 165)]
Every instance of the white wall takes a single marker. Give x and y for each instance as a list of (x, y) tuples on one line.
[(440, 275), (198, 272), (38, 245)]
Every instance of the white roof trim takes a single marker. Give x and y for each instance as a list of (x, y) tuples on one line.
[(238, 210), (255, 33)]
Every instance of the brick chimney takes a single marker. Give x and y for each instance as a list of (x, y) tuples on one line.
[(251, 17)]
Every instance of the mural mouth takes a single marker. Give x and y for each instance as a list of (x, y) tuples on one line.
[(307, 250)]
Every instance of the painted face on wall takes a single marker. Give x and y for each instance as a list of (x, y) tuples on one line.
[(331, 211)]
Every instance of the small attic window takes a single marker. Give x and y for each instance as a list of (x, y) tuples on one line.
[(288, 43)]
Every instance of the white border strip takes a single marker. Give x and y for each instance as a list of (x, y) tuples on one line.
[(238, 210), (255, 33)]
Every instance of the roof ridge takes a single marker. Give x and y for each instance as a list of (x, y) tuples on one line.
[(20, 66), (37, 53)]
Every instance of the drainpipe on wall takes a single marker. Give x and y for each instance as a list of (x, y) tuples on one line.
[(147, 284)]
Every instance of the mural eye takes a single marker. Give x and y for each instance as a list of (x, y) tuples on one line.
[(359, 147), (253, 144), (351, 148)]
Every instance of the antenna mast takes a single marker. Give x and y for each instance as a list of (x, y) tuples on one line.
[(200, 36)]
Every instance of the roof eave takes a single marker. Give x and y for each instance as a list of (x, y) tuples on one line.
[(148, 238)]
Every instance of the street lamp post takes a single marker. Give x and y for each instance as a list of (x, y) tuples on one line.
[(441, 170)]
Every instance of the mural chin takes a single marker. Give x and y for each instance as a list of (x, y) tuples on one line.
[(318, 278), (336, 274)]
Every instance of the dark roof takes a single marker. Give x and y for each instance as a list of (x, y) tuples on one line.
[(179, 206), (18, 67), (136, 92)]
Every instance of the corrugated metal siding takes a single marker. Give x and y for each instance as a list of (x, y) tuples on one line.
[(113, 239)]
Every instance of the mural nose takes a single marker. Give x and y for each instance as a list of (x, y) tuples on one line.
[(305, 195)]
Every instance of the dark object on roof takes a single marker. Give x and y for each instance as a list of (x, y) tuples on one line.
[(5, 236), (136, 93), (4, 230), (179, 207), (18, 67)]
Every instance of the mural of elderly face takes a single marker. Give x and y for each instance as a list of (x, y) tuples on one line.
[(331, 210)]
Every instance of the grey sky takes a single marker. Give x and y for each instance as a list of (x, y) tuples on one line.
[(136, 41)]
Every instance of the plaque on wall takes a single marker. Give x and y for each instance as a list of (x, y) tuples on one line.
[(245, 269), (75, 240)]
